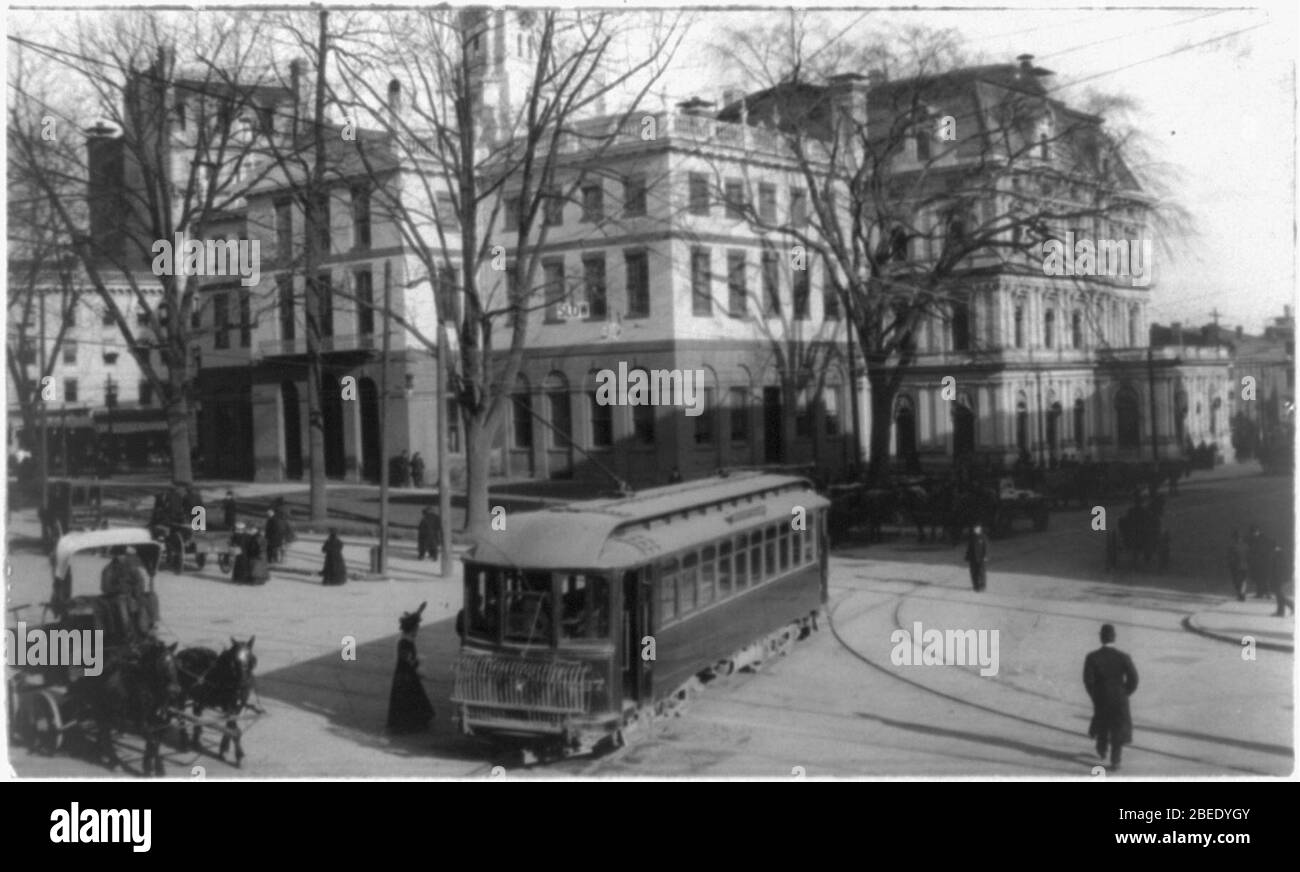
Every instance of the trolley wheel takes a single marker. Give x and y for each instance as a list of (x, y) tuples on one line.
[(45, 720), (225, 562)]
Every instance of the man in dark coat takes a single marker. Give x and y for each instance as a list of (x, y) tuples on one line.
[(1281, 574), (409, 709), (1110, 679), (335, 570), (429, 534), (417, 470), (229, 510), (274, 537), (977, 552)]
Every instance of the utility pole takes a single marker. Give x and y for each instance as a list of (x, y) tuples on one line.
[(444, 474), (383, 422), (44, 466)]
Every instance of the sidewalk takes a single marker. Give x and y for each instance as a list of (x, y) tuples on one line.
[(1234, 621), (304, 557)]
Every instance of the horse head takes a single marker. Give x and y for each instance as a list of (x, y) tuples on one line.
[(241, 661), (159, 671)]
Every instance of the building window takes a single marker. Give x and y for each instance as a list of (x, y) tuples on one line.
[(453, 425), (365, 302), (245, 319), (142, 318), (701, 282), (107, 320), (448, 295), (922, 140), (699, 194), (447, 217), (801, 292), (798, 207), (110, 393), (593, 277), (70, 315), (767, 202), (561, 418), (634, 196), (110, 357), (1079, 431), (146, 392), (593, 203), (736, 288), (704, 421), (514, 212), (323, 223), (69, 351), (602, 423), (771, 284), (734, 193), (284, 290), (830, 302), (1076, 330), (220, 321), (325, 303), (523, 419), (1132, 327), (361, 216), (739, 414), (637, 265), (69, 390), (1049, 328), (831, 409), (553, 284), (803, 416), (1019, 319), (1128, 423), (552, 208), (643, 424), (961, 327), (1022, 427)]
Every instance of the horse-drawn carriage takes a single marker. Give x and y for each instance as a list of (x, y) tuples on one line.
[(94, 665), (71, 505), (185, 548)]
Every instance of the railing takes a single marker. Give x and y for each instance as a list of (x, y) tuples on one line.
[(641, 127), (539, 693)]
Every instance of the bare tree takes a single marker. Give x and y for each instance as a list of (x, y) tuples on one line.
[(920, 188), (465, 154), (177, 153)]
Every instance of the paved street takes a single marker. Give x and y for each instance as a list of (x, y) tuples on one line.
[(836, 705)]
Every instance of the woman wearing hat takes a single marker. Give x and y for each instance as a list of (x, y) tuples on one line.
[(335, 570), (409, 709)]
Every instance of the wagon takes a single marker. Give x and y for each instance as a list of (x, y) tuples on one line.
[(184, 545), (40, 710)]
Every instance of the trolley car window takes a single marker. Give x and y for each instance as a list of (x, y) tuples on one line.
[(484, 591), (686, 600), (707, 569), (785, 548), (756, 557), (770, 551), (667, 591), (810, 540), (742, 563), (585, 606), (527, 598), (724, 570)]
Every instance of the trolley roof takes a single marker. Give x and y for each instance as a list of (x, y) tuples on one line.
[(624, 531), (72, 543)]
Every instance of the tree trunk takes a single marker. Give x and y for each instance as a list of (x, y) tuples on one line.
[(480, 434), (882, 407), (178, 431), (315, 424)]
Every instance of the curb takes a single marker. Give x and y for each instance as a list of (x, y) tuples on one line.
[(1192, 624)]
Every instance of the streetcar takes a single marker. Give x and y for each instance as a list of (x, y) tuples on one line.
[(582, 622)]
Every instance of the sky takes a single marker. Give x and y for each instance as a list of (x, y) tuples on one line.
[(1219, 116)]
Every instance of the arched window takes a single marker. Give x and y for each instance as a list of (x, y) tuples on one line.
[(961, 326), (1080, 432), (1020, 326), (1022, 426), (1076, 329), (1132, 327), (1128, 421), (521, 410), (1049, 328)]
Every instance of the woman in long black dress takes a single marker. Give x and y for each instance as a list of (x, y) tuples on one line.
[(409, 709), (335, 570)]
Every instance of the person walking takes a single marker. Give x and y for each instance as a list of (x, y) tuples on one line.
[(1110, 679), (1258, 550), (259, 571), (417, 470), (335, 570), (977, 552), (409, 709), (229, 510), (274, 537), (429, 534), (1238, 556)]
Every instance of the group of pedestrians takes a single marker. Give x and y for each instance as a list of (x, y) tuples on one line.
[(406, 470), (1260, 561)]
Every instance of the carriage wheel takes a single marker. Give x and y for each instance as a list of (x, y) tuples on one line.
[(201, 558), (45, 721), (225, 562)]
